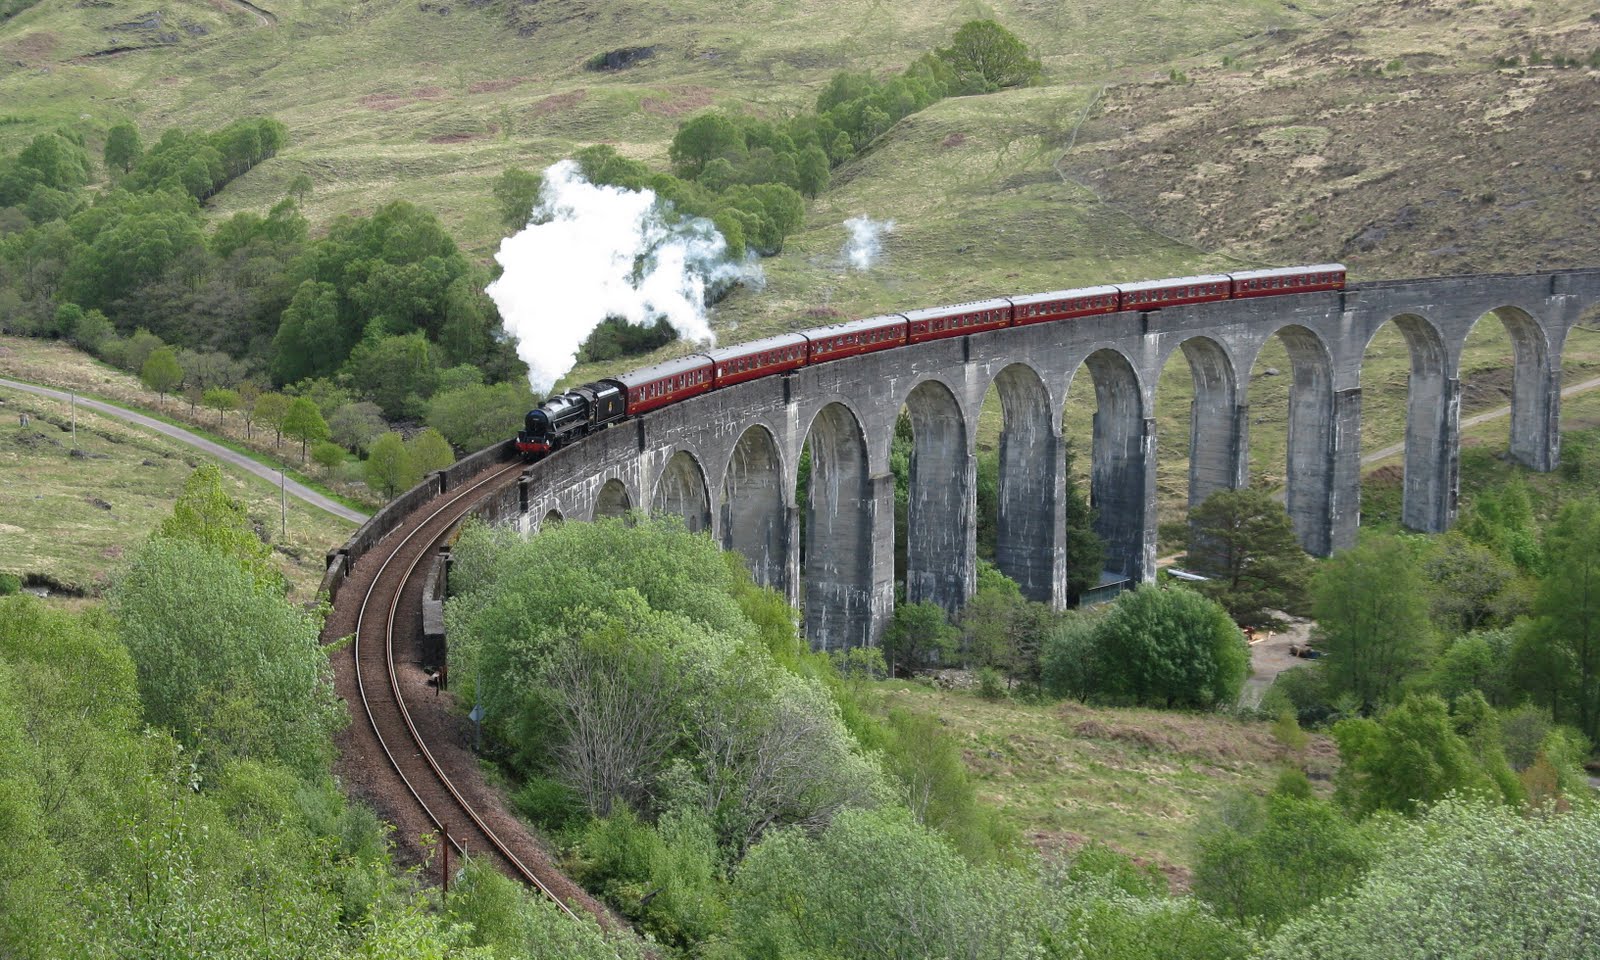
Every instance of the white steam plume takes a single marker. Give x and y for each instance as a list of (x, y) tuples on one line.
[(596, 251), (865, 245)]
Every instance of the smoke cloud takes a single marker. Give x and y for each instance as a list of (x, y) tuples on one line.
[(865, 245), (596, 251)]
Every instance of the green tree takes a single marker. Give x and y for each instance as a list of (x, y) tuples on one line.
[(303, 421), (1170, 647), (1070, 661), (161, 372), (429, 451), (1244, 541), (312, 340), (93, 331), (231, 669), (1468, 880), (327, 455), (123, 148), (1473, 585), (300, 187), (222, 400), (474, 417), (354, 425), (516, 192), (1567, 629), (1371, 607), (1280, 862), (1409, 758), (396, 373), (702, 139), (984, 57), (204, 514), (388, 465), (271, 409), (918, 634)]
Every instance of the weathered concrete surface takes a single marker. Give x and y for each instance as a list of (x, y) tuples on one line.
[(728, 461)]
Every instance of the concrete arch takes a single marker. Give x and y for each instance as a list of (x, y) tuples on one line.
[(1122, 465), (940, 533), (840, 512), (1217, 424), (1309, 472), (1028, 529), (1433, 408), (681, 489), (612, 500), (755, 520), (1535, 435), (551, 518)]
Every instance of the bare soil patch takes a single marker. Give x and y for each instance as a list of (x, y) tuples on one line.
[(496, 86), (556, 103), (31, 49), (679, 101)]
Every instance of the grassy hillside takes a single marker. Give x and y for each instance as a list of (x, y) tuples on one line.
[(1138, 780), (71, 519)]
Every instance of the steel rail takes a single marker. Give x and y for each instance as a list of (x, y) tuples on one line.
[(394, 686)]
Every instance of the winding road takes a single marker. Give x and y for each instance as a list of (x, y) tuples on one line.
[(298, 490)]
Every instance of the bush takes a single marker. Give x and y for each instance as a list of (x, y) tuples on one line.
[(9, 583), (991, 686)]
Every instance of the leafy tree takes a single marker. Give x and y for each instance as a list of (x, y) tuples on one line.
[(271, 409), (1473, 585), (1281, 862), (1371, 607), (312, 340), (1170, 647), (303, 421), (1244, 541), (1409, 758), (1480, 661), (204, 514), (327, 455), (918, 634), (1502, 520), (388, 465), (228, 667), (474, 417), (1469, 879), (92, 331), (300, 187), (429, 451), (222, 400), (1567, 629), (515, 193), (161, 372), (702, 139), (1070, 661), (984, 57), (123, 148), (396, 373), (354, 425)]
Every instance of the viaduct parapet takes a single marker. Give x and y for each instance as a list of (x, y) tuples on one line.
[(727, 461)]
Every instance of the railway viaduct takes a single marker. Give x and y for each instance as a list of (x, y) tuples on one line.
[(727, 461)]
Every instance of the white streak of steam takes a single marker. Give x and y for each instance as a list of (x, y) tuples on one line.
[(865, 245), (596, 251)]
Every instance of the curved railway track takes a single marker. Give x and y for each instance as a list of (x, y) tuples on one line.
[(394, 586)]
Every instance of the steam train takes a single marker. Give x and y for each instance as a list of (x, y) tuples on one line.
[(568, 416)]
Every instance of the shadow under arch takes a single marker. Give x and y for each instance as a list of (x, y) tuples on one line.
[(612, 500), (681, 489), (1535, 438), (839, 514), (1432, 412), (1216, 425), (754, 518), (1029, 490), (940, 542), (1308, 471), (551, 518), (1121, 469)]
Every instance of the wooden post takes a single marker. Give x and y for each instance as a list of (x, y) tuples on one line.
[(444, 839)]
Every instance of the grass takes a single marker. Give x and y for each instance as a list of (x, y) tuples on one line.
[(69, 521), (1137, 780), (53, 364)]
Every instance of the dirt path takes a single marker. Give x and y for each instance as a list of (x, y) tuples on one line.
[(265, 17), (1472, 421), (298, 490), (1270, 657)]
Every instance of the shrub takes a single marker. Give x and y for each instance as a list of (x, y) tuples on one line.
[(9, 583)]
